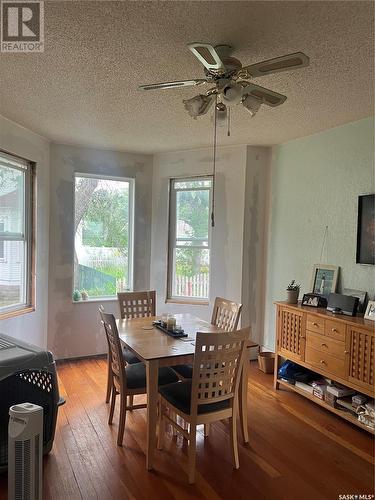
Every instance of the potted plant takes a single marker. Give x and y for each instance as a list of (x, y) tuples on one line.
[(292, 292), (77, 296)]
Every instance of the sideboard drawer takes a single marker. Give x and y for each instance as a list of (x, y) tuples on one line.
[(314, 324), (325, 362), (325, 345), (335, 329)]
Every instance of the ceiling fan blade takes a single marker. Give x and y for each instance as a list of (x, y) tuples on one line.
[(267, 96), (207, 55), (171, 85), (283, 63)]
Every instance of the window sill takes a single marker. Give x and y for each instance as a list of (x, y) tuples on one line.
[(96, 299), (190, 302), (17, 312)]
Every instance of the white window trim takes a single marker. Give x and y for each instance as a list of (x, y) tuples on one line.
[(172, 240), (3, 258), (26, 235), (131, 182)]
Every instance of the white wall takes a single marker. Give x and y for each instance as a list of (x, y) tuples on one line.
[(227, 235), (32, 327), (238, 254), (316, 182), (74, 327), (255, 237), (238, 257)]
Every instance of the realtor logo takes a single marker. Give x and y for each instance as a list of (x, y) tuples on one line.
[(22, 26)]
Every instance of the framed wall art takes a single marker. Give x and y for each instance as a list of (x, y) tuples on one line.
[(366, 230)]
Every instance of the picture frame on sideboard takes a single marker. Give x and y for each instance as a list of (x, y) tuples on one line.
[(324, 279), (370, 310)]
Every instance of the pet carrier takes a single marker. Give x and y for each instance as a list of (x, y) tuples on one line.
[(27, 374)]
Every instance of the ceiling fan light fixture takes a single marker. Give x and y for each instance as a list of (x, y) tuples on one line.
[(252, 104), (198, 105), (221, 114), (231, 93)]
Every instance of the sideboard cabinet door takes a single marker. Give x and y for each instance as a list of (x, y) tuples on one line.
[(360, 345), (291, 333)]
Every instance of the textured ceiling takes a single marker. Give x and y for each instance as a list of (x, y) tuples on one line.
[(83, 88)]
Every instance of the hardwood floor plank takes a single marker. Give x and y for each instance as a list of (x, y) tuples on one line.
[(130, 466), (296, 450)]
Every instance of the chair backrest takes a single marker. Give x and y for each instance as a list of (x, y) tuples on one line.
[(226, 314), (217, 366), (115, 355), (137, 304)]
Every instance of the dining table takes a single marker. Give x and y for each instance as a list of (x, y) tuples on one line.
[(156, 348)]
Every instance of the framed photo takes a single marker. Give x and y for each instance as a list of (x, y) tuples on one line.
[(370, 311), (324, 279), (366, 230), (314, 300), (362, 296)]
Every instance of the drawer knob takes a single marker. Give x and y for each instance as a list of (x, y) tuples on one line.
[(346, 352), (322, 361), (323, 345), (334, 330)]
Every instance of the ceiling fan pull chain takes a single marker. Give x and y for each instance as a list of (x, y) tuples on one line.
[(214, 166)]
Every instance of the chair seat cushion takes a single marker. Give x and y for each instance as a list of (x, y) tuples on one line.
[(136, 376), (179, 395), (129, 357), (186, 371)]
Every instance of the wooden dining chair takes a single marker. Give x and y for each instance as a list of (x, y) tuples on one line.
[(132, 305), (225, 315), (137, 304), (211, 394), (127, 380)]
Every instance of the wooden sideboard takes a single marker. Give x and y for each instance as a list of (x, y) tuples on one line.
[(338, 347)]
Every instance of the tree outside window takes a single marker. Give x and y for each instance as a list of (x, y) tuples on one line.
[(103, 235)]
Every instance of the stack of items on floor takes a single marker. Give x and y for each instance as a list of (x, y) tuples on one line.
[(334, 394)]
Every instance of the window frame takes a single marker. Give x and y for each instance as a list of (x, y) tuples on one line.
[(2, 242), (172, 238), (131, 182), (28, 236)]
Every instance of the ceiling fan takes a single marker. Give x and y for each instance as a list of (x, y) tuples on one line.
[(230, 80)]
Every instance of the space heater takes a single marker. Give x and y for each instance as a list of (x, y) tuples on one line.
[(25, 452)]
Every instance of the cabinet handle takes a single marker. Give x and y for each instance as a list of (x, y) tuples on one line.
[(315, 324), (323, 345), (334, 330), (322, 361), (346, 352)]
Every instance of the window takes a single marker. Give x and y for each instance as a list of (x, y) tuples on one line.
[(16, 221), (189, 238), (103, 240), (2, 243)]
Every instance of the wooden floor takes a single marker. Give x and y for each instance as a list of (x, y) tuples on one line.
[(297, 450)]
